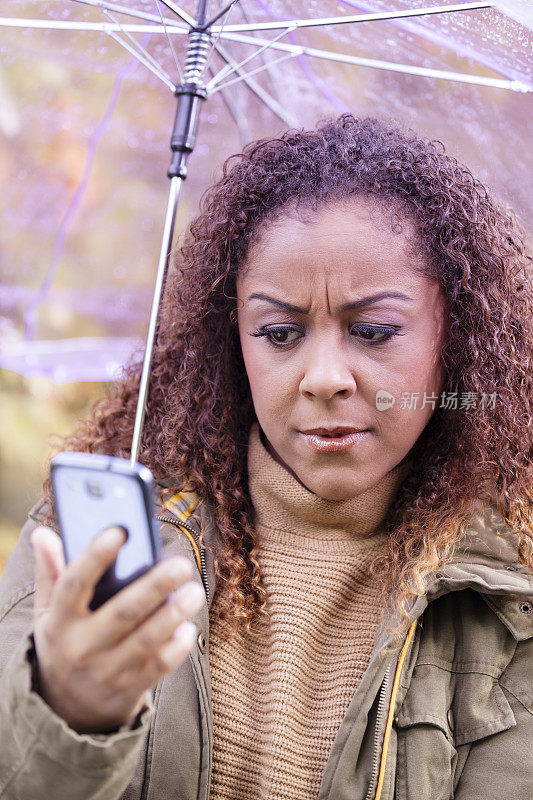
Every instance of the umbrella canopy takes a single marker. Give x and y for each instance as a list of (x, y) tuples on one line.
[(87, 108)]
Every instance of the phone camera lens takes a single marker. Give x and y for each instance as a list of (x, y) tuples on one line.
[(94, 488)]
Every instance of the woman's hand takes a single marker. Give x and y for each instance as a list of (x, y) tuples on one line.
[(96, 667)]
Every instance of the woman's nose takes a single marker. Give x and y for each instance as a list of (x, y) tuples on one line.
[(327, 373)]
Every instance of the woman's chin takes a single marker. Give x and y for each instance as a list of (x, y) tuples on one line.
[(331, 489)]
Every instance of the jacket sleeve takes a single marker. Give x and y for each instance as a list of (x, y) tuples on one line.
[(501, 765), (40, 754)]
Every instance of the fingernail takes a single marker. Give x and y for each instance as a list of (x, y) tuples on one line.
[(180, 569), (113, 536), (193, 600), (186, 632), (35, 536)]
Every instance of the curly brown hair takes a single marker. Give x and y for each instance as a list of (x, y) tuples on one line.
[(200, 411)]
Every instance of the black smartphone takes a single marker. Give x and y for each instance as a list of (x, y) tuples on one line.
[(93, 492)]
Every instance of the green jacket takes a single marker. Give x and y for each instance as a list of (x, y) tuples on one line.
[(448, 714)]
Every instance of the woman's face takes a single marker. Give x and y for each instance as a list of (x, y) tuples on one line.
[(331, 315)]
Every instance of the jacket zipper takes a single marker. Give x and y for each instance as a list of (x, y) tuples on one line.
[(377, 736), (172, 520), (177, 524)]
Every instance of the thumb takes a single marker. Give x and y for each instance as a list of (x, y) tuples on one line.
[(49, 564)]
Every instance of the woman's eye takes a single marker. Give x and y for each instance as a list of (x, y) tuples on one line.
[(277, 336), (376, 333), (281, 337), (373, 334)]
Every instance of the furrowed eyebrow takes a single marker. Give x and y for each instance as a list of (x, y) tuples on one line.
[(279, 303), (374, 298), (356, 304)]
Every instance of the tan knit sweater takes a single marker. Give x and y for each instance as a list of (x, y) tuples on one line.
[(279, 700)]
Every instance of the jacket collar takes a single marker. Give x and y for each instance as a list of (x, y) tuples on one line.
[(487, 561)]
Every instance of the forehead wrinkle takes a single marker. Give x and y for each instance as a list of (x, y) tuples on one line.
[(275, 250), (328, 304)]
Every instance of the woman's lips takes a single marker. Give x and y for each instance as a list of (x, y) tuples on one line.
[(334, 444)]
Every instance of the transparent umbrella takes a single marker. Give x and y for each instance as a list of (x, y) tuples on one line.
[(88, 99)]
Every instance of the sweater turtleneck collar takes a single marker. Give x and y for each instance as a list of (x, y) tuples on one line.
[(282, 503)]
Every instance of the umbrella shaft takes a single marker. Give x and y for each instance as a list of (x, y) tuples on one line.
[(201, 12), (191, 94), (166, 246)]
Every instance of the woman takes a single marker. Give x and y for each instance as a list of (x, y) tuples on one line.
[(339, 421)]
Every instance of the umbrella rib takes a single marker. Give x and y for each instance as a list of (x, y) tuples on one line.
[(157, 71), (75, 25), (169, 40), (220, 13), (345, 58), (230, 35), (227, 9), (272, 76), (157, 68), (238, 118), (180, 12), (276, 107), (224, 73), (351, 19), (433, 34), (219, 88), (129, 11)]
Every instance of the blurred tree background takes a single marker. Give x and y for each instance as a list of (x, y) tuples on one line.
[(30, 409)]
